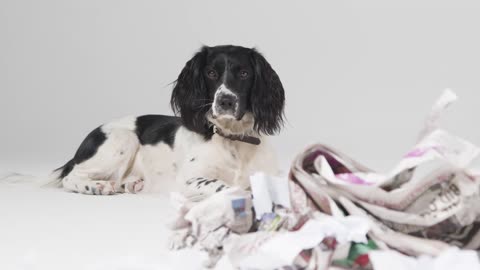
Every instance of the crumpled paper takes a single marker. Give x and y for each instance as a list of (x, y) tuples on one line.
[(268, 191), (426, 204), (209, 222), (270, 250)]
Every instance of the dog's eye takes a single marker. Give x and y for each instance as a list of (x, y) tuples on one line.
[(212, 74), (243, 74)]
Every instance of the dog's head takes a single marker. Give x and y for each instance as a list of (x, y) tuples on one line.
[(231, 87)]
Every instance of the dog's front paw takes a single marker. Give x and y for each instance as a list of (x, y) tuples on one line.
[(134, 186), (103, 188)]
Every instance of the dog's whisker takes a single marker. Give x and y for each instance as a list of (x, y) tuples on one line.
[(203, 106)]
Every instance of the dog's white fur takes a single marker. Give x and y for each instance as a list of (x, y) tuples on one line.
[(122, 160)]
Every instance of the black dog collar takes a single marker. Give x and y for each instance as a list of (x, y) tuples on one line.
[(241, 138)]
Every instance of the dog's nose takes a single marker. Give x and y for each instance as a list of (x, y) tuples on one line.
[(227, 102)]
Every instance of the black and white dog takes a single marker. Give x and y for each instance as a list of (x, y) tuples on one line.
[(227, 98)]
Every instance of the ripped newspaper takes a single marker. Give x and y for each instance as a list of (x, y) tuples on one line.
[(332, 212)]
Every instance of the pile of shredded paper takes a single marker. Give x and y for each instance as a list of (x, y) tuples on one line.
[(332, 212)]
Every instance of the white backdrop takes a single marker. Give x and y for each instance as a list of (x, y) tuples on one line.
[(359, 75)]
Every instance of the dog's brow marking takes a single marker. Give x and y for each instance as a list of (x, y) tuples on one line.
[(225, 71), (222, 89)]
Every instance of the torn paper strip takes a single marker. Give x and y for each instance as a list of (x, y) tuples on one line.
[(447, 98), (269, 190)]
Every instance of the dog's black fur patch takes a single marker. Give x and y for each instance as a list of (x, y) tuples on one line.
[(152, 129), (87, 149)]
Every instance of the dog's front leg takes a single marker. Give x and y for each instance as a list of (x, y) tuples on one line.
[(210, 168), (201, 177), (199, 188)]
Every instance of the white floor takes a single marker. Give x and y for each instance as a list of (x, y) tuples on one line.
[(45, 228)]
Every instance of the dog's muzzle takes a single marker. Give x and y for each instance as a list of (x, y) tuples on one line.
[(225, 103)]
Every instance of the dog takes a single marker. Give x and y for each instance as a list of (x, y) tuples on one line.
[(227, 100)]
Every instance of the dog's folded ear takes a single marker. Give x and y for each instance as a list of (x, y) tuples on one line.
[(267, 97), (190, 95)]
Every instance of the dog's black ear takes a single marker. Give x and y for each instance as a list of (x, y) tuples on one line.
[(190, 96), (267, 97)]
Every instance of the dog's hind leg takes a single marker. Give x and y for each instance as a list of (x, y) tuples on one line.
[(105, 171), (89, 186), (85, 185)]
